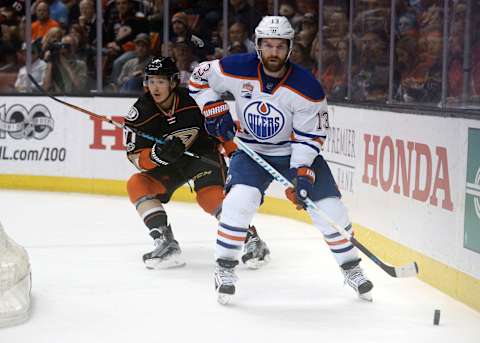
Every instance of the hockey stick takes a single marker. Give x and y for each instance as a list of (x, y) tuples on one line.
[(408, 270), (119, 125)]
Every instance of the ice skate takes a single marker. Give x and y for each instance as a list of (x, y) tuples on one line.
[(355, 278), (256, 253), (167, 252), (225, 279)]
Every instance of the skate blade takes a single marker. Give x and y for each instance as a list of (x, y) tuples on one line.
[(223, 299), (172, 262), (256, 263), (366, 296)]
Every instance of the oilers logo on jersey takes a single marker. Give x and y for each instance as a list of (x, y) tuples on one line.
[(263, 120)]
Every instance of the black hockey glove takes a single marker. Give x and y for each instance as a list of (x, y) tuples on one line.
[(168, 152)]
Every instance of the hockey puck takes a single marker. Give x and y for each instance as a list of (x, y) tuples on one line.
[(436, 317)]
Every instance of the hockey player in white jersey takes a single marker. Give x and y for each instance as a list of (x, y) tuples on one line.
[(283, 116)]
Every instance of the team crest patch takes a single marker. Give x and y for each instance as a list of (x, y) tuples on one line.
[(187, 136), (130, 147), (247, 90), (263, 120), (132, 115)]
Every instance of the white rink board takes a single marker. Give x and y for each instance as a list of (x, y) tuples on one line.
[(434, 230), (72, 131)]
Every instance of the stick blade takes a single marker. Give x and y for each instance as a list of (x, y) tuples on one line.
[(408, 270)]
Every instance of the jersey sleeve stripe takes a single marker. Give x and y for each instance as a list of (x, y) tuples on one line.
[(309, 145), (308, 135), (197, 85)]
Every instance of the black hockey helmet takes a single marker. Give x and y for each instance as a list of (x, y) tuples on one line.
[(164, 66)]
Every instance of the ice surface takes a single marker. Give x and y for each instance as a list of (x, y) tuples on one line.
[(90, 285)]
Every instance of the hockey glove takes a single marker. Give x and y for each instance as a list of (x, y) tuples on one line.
[(303, 179), (218, 120), (168, 152)]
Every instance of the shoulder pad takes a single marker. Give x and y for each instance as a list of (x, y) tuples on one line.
[(240, 65), (302, 82)]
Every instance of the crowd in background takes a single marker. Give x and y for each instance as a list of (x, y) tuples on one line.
[(64, 44)]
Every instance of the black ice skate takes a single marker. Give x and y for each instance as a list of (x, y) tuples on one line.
[(167, 252), (256, 252), (355, 278), (225, 279)]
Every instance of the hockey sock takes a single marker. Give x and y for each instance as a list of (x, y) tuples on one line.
[(341, 248), (238, 210), (153, 214)]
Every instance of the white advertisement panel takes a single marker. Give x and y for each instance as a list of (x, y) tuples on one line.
[(39, 136), (404, 176)]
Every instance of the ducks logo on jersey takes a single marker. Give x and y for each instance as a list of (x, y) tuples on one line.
[(263, 120)]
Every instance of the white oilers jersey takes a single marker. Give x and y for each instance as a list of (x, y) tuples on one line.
[(289, 118)]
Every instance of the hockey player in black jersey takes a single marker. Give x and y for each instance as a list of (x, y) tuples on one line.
[(167, 111)]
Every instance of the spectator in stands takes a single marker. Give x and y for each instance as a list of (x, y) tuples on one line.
[(407, 25), (406, 51), (423, 83), (53, 35), (335, 25), (131, 77), (39, 67), (431, 19), (9, 24), (43, 23), (65, 72), (58, 11), (184, 59), (309, 30), (372, 20), (370, 82), (241, 11), (180, 29), (8, 68), (209, 13), (334, 76), (8, 58), (155, 20), (238, 32), (288, 9), (237, 48), (88, 19), (122, 28), (327, 52), (301, 56)]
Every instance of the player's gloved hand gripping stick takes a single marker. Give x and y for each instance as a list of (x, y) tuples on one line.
[(119, 125), (218, 120), (408, 270)]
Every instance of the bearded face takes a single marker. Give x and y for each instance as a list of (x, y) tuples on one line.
[(274, 53)]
